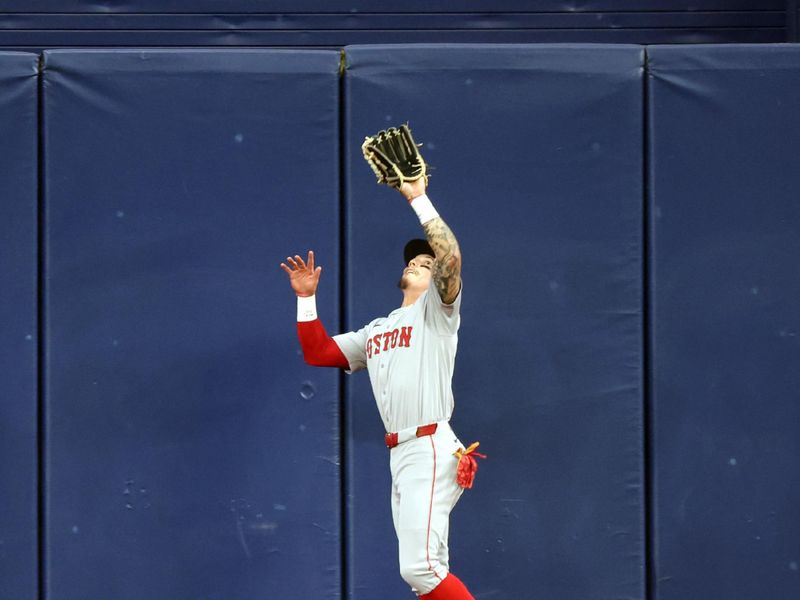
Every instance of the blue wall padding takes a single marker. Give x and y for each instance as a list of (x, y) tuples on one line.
[(18, 315), (724, 134), (537, 154), (190, 451)]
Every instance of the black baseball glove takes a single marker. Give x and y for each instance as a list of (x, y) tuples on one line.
[(394, 157)]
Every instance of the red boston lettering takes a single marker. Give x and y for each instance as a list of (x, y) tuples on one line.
[(391, 339), (405, 337)]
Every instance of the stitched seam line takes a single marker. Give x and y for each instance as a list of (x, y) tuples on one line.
[(430, 514)]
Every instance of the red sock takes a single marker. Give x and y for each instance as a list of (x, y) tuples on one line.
[(450, 588)]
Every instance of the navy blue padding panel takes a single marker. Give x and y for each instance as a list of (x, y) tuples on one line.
[(537, 157), (724, 131), (190, 451), (18, 325)]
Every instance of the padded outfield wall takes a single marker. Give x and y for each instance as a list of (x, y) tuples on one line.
[(19, 437), (628, 348)]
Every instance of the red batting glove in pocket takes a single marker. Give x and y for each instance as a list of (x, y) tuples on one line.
[(467, 465)]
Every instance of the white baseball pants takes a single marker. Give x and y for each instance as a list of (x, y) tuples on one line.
[(424, 491)]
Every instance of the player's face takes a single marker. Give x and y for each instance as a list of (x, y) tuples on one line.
[(417, 275)]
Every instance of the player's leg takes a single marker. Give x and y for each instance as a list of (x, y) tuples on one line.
[(428, 493), (451, 587), (417, 534), (444, 548), (395, 505)]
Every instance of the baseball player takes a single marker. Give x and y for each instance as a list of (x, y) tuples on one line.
[(409, 355)]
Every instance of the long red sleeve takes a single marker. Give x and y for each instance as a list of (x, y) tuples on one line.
[(319, 349)]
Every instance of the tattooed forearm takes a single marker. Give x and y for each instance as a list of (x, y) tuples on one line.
[(447, 267)]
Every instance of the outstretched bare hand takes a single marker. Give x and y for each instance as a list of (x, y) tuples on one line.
[(302, 275)]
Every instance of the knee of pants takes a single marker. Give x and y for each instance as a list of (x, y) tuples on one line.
[(423, 576)]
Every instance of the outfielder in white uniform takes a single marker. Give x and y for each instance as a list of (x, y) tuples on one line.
[(409, 355)]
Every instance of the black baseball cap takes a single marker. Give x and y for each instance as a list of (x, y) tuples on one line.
[(416, 247)]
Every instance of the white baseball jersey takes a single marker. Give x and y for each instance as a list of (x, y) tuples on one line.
[(410, 355)]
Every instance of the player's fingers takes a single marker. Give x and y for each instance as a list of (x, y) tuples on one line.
[(285, 268), (290, 260), (311, 259), (317, 271), (300, 261)]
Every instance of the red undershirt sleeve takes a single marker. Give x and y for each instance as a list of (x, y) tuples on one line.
[(319, 349)]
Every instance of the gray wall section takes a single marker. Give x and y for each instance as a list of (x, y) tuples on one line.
[(18, 324)]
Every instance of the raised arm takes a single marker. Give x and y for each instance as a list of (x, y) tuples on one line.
[(319, 349), (447, 267), (303, 277)]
